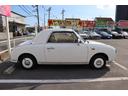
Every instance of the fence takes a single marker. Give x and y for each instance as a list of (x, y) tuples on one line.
[(14, 42)]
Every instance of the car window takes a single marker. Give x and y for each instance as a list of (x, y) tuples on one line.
[(63, 37)]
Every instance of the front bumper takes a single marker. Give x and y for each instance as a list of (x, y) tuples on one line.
[(109, 62)]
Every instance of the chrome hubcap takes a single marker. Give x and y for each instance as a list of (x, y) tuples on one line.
[(27, 63), (99, 62)]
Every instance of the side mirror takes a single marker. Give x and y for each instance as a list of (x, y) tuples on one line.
[(78, 42)]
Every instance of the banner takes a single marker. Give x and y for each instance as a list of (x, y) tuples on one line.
[(72, 22), (87, 24), (5, 10), (55, 22), (104, 22), (123, 24)]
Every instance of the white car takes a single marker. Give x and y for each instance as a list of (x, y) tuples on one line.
[(62, 46), (84, 35), (125, 34)]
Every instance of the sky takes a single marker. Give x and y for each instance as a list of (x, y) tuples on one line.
[(84, 12)]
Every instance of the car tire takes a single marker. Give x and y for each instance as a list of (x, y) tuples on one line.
[(98, 62), (27, 61)]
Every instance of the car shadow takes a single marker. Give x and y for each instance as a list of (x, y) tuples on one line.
[(58, 72), (50, 72)]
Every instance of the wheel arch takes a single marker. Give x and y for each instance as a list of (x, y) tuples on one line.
[(100, 54), (26, 55)]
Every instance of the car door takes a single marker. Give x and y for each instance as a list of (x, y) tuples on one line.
[(63, 47)]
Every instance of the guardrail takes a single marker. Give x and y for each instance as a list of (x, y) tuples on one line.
[(13, 41)]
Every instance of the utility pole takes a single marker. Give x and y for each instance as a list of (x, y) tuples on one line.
[(49, 11), (37, 10), (44, 15), (63, 14)]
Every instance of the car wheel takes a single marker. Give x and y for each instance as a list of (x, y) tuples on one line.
[(98, 62), (27, 61)]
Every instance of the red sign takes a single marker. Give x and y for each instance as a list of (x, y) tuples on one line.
[(55, 22), (5, 10), (88, 24), (123, 24)]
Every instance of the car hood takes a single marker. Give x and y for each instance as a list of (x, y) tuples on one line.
[(82, 34), (95, 35), (117, 34), (94, 43), (126, 34)]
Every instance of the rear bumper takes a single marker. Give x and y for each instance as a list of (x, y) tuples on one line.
[(14, 61)]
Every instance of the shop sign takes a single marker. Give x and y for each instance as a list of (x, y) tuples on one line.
[(5, 10), (123, 24), (104, 22), (87, 24), (54, 22)]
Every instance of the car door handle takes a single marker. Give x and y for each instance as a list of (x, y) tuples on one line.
[(50, 48)]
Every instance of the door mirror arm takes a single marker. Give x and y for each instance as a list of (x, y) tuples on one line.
[(79, 41)]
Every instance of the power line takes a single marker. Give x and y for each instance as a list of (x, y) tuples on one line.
[(27, 10), (24, 10)]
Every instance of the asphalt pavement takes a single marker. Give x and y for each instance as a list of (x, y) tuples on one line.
[(69, 77)]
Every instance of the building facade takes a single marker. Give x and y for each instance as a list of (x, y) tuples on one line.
[(16, 23), (121, 12)]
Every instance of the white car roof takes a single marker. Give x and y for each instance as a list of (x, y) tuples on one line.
[(43, 36), (59, 29)]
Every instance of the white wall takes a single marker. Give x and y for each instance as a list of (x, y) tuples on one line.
[(17, 18)]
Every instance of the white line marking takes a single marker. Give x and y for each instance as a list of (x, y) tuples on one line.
[(9, 70), (108, 65), (62, 80), (119, 65)]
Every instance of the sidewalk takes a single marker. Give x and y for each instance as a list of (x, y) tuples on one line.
[(4, 63), (4, 57)]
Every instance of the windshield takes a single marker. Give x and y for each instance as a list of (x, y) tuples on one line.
[(104, 33), (114, 32)]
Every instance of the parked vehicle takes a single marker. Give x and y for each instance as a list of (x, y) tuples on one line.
[(116, 35), (62, 46), (94, 35), (124, 33), (104, 35), (84, 35)]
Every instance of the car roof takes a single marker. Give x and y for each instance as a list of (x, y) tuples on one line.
[(44, 35), (59, 29)]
